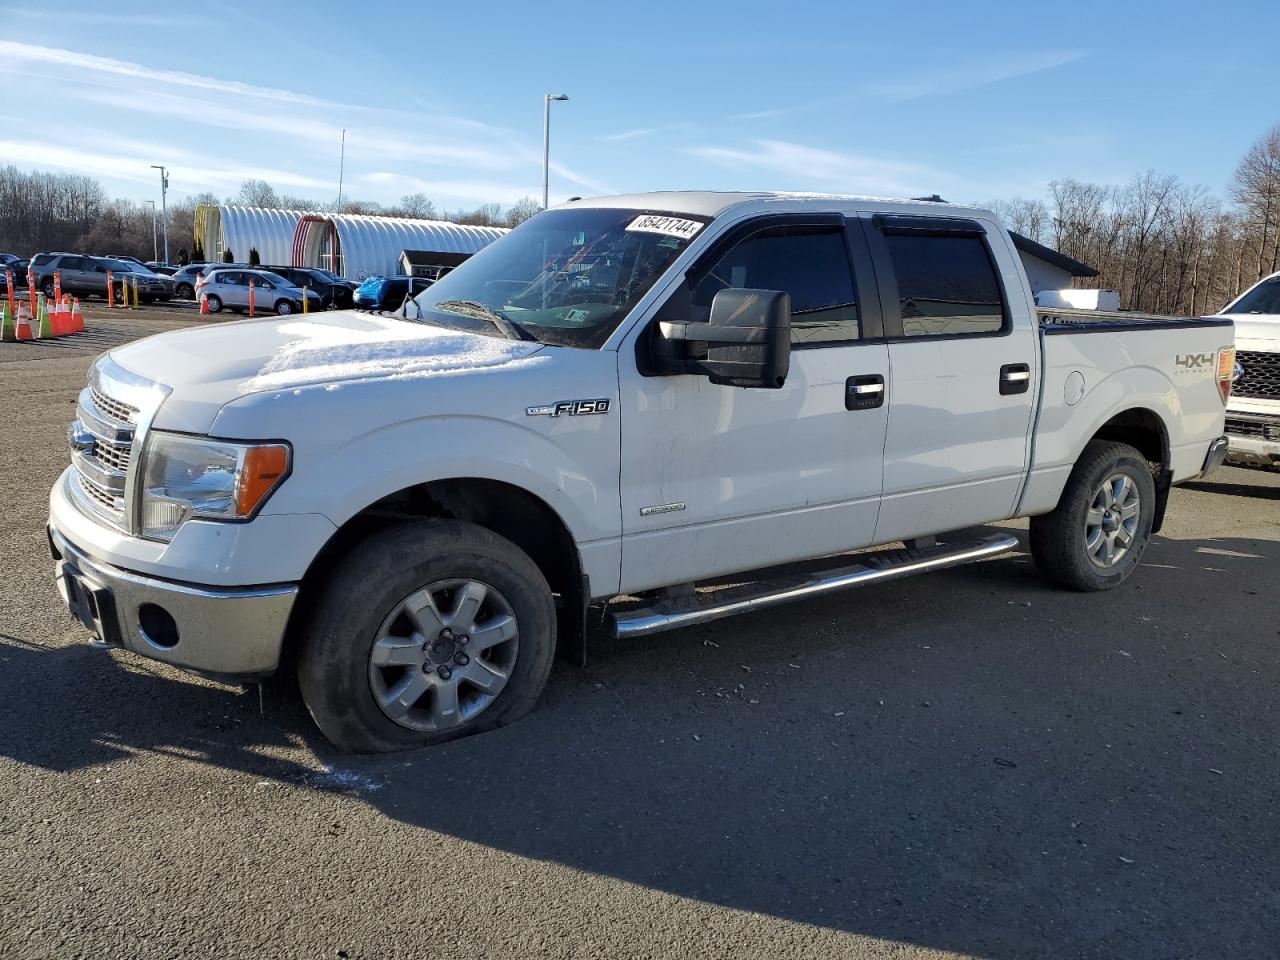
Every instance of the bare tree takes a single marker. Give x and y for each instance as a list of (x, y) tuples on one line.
[(1256, 189)]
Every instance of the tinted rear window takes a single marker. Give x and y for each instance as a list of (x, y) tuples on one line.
[(1264, 298), (947, 284)]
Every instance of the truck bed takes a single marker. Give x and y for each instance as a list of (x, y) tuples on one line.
[(1067, 320)]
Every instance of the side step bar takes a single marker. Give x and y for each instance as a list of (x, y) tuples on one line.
[(873, 568)]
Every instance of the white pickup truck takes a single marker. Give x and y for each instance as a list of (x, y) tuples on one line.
[(635, 396), (1253, 415)]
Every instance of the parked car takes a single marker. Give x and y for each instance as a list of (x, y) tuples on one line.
[(334, 291), (1253, 415), (151, 285), (7, 259), (386, 293), (81, 276), (626, 397), (184, 279), (112, 256), (19, 268), (229, 287), (164, 269)]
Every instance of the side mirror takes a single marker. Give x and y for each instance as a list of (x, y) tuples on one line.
[(748, 338)]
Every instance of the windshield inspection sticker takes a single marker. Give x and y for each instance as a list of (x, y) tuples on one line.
[(667, 226)]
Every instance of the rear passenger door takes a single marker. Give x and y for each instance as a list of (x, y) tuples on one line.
[(963, 378)]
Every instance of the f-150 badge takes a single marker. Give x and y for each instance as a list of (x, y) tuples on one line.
[(571, 408)]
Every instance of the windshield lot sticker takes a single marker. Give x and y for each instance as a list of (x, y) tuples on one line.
[(577, 316), (667, 226)]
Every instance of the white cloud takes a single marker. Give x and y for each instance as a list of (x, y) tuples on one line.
[(917, 84), (627, 135), (275, 123), (799, 164)]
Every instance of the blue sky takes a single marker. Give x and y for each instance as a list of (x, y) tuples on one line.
[(971, 100)]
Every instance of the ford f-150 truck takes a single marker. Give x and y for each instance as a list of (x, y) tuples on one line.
[(635, 397), (1253, 415)]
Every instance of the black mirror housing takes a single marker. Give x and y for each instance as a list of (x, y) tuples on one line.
[(748, 338)]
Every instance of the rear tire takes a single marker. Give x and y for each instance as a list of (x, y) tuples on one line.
[(184, 291), (378, 662), (1094, 539)]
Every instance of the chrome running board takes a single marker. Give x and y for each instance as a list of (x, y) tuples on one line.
[(872, 568)]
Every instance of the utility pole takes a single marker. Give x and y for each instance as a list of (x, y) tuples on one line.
[(546, 141), (164, 206), (155, 249), (342, 163)]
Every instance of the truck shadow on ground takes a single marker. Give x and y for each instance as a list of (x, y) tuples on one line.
[(971, 761)]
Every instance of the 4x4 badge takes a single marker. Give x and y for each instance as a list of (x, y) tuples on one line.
[(572, 408)]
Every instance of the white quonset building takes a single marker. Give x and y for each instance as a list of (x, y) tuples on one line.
[(354, 246)]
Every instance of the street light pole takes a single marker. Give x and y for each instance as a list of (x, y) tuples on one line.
[(546, 141), (164, 207), (155, 249)]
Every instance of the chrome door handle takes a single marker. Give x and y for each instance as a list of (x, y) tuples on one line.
[(864, 393), (1014, 378)]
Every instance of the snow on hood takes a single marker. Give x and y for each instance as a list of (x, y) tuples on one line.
[(322, 353), (209, 366)]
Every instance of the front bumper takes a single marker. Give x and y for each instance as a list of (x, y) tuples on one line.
[(227, 632), (1254, 439)]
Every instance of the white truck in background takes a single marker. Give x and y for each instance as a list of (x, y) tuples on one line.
[(631, 396), (1253, 415)]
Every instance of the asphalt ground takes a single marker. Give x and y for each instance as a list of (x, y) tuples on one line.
[(969, 763)]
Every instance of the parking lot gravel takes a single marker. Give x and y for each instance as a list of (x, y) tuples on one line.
[(971, 763)]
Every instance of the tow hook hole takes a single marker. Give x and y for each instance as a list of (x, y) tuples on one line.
[(158, 625)]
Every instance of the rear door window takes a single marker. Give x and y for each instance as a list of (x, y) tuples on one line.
[(947, 284)]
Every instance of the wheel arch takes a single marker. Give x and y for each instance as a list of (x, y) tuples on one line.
[(504, 508), (1145, 430)]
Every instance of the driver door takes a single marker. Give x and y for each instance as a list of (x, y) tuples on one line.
[(719, 479)]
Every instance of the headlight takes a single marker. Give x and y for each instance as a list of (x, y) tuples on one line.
[(188, 477)]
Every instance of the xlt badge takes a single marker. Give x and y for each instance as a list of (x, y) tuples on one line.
[(572, 408)]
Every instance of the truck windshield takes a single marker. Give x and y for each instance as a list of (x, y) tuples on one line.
[(1264, 298), (566, 277)]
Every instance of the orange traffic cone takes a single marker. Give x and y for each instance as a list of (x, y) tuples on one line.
[(23, 326), (204, 304), (77, 318), (56, 324)]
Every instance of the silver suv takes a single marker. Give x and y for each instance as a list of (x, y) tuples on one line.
[(229, 287)]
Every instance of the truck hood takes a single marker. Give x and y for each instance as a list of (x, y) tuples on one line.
[(1257, 331), (208, 367)]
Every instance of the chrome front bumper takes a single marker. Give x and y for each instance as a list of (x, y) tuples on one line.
[(228, 632), (1254, 439)]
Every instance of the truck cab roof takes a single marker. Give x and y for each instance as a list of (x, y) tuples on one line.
[(713, 203)]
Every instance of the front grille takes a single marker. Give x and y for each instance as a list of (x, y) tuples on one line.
[(102, 498), (1261, 429), (114, 409), (102, 448), (1261, 377), (113, 456)]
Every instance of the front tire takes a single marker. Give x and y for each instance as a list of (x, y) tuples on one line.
[(426, 632), (283, 308), (1094, 539), (184, 291), (214, 301)]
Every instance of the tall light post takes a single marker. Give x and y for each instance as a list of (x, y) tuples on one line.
[(164, 207), (546, 141), (155, 250)]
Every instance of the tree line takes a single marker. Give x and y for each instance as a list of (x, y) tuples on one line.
[(42, 211), (1166, 246)]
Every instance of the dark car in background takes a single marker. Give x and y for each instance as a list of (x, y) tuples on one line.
[(82, 276), (150, 285), (334, 291), (184, 279), (386, 293)]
